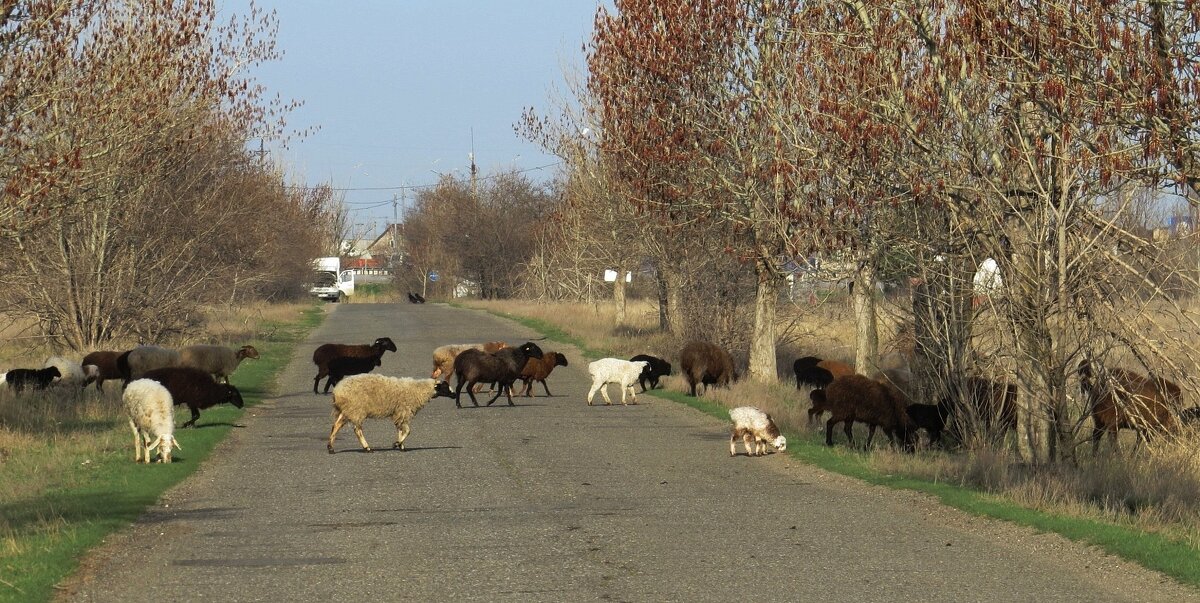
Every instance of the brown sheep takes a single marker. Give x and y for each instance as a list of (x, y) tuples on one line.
[(1121, 398), (106, 368), (325, 353), (443, 356), (858, 398), (537, 369), (707, 364), (993, 407)]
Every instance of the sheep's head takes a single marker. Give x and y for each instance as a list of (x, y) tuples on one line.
[(232, 396), (780, 443), (54, 371), (385, 343), (442, 390), (247, 351), (559, 359), (531, 350)]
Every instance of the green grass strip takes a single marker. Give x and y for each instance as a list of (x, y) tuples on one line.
[(54, 530), (1154, 551)]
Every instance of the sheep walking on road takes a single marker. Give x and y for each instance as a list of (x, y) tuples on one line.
[(656, 369), (614, 370), (753, 425), (151, 412), (361, 397), (539, 370), (502, 368), (328, 352)]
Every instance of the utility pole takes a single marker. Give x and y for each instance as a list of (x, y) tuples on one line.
[(395, 229), (261, 152), (474, 169)]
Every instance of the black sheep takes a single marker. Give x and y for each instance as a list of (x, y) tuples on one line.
[(930, 417), (195, 388), (818, 373), (504, 367), (326, 353), (18, 379), (857, 398), (656, 368), (344, 366)]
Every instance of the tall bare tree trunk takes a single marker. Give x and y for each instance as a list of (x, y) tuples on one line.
[(619, 295), (866, 349), (675, 317), (664, 316), (762, 344)]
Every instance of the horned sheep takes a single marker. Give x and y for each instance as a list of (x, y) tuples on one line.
[(750, 423), (218, 360), (151, 412), (361, 397), (614, 370)]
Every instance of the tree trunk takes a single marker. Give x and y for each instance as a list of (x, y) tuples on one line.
[(763, 367), (675, 318), (619, 295), (867, 337), (664, 317)]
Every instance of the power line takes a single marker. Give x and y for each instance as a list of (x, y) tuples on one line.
[(411, 187)]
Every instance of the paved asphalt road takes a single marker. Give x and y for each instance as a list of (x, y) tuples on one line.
[(556, 501)]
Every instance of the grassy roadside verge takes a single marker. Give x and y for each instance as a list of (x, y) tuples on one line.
[(97, 489), (1172, 557)]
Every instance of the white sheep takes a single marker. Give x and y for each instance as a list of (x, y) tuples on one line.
[(71, 372), (145, 358), (750, 422), (614, 370), (370, 396), (217, 360), (151, 415)]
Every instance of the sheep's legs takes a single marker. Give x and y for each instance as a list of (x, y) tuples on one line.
[(607, 400), (748, 441), (192, 422), (592, 391), (401, 435), (137, 442), (849, 429), (829, 431), (338, 423), (361, 440), (632, 394), (733, 442), (320, 373), (544, 386), (871, 435)]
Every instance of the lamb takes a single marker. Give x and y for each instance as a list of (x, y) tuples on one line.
[(655, 370), (134, 363), (340, 368), (539, 369), (930, 417), (750, 422), (503, 368), (1120, 398), (70, 372), (100, 366), (818, 373), (360, 397), (614, 370), (707, 364), (857, 398), (443, 356), (218, 360), (327, 352), (20, 378), (195, 388), (151, 414)]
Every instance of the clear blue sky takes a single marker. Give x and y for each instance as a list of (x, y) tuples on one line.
[(397, 86)]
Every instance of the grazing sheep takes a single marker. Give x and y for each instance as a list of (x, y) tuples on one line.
[(70, 372), (614, 370), (340, 368), (503, 368), (930, 417), (857, 398), (656, 368), (151, 414), (20, 378), (750, 422), (325, 353), (134, 363), (1119, 398), (818, 373), (443, 356), (707, 364), (104, 367), (361, 397), (218, 360), (539, 369), (195, 388)]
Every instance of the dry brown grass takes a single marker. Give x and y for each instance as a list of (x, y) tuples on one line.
[(1156, 488)]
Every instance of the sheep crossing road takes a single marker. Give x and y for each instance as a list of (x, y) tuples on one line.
[(553, 500)]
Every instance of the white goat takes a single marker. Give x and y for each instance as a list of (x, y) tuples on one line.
[(614, 370), (750, 422)]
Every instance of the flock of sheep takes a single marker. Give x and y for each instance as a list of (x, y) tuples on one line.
[(155, 379)]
